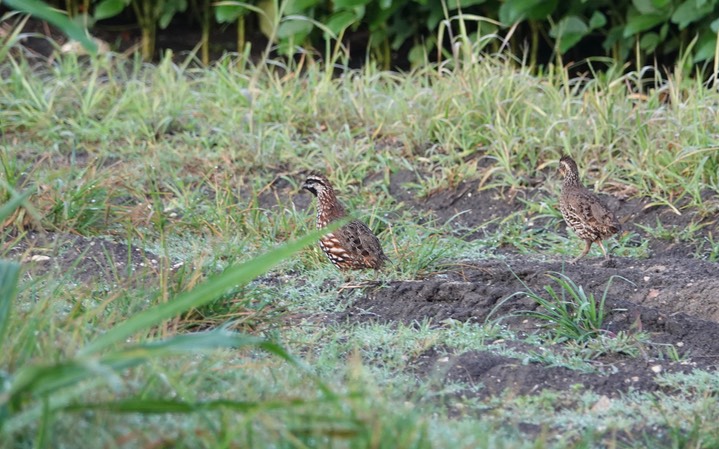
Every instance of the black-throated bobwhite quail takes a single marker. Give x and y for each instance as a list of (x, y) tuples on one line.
[(583, 211), (351, 247)]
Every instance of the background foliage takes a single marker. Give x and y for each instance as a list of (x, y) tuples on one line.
[(410, 31)]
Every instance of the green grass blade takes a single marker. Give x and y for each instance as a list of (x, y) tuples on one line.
[(204, 293), (9, 274), (161, 406), (11, 38), (181, 344), (43, 11), (45, 379)]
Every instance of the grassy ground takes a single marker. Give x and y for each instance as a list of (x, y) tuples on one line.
[(177, 162)]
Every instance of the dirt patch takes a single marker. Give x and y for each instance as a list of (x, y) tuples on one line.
[(684, 314), (82, 259), (510, 376), (472, 289)]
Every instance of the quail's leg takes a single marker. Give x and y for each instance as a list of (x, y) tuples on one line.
[(606, 254), (586, 250), (608, 261)]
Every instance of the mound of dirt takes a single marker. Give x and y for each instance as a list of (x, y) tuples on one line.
[(676, 302)]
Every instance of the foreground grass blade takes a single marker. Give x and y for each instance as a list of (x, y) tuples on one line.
[(9, 274), (9, 271), (45, 379), (204, 293), (160, 406), (43, 11)]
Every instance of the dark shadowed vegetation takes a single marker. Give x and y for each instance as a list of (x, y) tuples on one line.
[(405, 32)]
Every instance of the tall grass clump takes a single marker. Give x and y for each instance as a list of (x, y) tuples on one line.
[(569, 314)]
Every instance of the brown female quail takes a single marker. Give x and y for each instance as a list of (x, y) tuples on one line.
[(583, 211), (351, 247)]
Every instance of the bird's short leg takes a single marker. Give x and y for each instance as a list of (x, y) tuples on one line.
[(606, 254), (586, 250)]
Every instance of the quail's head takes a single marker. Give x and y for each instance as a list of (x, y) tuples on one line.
[(316, 184), (567, 166)]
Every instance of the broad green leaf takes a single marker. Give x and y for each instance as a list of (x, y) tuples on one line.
[(417, 55), (339, 21), (615, 40), (402, 30), (714, 26), (663, 31), (269, 18), (705, 47), (661, 4), (229, 13), (435, 15), (568, 32), (645, 6), (688, 12), (312, 22), (569, 25), (642, 22), (513, 11), (299, 6), (349, 4), (510, 13), (465, 4), (9, 274), (109, 8), (649, 42), (170, 8), (230, 10), (42, 11), (487, 28), (597, 20), (297, 29)]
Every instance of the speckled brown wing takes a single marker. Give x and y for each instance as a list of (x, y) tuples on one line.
[(585, 213), (353, 247)]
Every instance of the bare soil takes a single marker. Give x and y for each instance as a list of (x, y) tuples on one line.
[(87, 258)]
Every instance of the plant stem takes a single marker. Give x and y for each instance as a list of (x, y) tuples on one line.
[(241, 34), (205, 17), (535, 44)]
